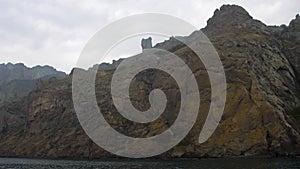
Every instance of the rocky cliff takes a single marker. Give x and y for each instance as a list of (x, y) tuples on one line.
[(261, 64)]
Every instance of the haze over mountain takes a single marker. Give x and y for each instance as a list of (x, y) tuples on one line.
[(260, 118), (17, 80)]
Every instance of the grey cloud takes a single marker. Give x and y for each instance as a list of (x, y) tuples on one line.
[(54, 32)]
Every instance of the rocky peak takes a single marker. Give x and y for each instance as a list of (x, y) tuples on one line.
[(230, 17), (294, 26), (295, 23)]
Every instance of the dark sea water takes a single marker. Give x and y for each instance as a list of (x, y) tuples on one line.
[(241, 163)]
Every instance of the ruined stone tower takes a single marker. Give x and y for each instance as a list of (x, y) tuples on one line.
[(146, 43)]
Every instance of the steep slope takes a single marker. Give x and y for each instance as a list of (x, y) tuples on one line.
[(262, 87)]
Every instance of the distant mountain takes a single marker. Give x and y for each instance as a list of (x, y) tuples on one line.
[(260, 118), (17, 80)]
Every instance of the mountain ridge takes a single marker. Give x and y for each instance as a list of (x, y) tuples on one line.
[(17, 80)]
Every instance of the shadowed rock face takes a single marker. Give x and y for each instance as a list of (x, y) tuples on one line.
[(260, 64), (292, 33)]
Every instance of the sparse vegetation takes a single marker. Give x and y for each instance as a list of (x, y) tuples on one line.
[(295, 113)]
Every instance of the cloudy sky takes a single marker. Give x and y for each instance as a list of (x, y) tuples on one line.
[(53, 32)]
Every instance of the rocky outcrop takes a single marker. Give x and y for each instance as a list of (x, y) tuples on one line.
[(262, 87), (291, 36), (274, 64), (230, 17), (107, 66)]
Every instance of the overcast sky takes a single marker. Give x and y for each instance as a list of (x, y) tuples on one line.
[(53, 32)]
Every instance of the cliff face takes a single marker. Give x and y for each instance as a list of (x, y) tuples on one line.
[(261, 65)]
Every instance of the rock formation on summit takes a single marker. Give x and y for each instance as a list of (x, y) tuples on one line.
[(146, 43)]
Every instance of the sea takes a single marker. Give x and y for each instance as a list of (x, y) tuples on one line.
[(218, 163)]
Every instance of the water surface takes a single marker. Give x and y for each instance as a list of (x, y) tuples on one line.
[(240, 163)]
